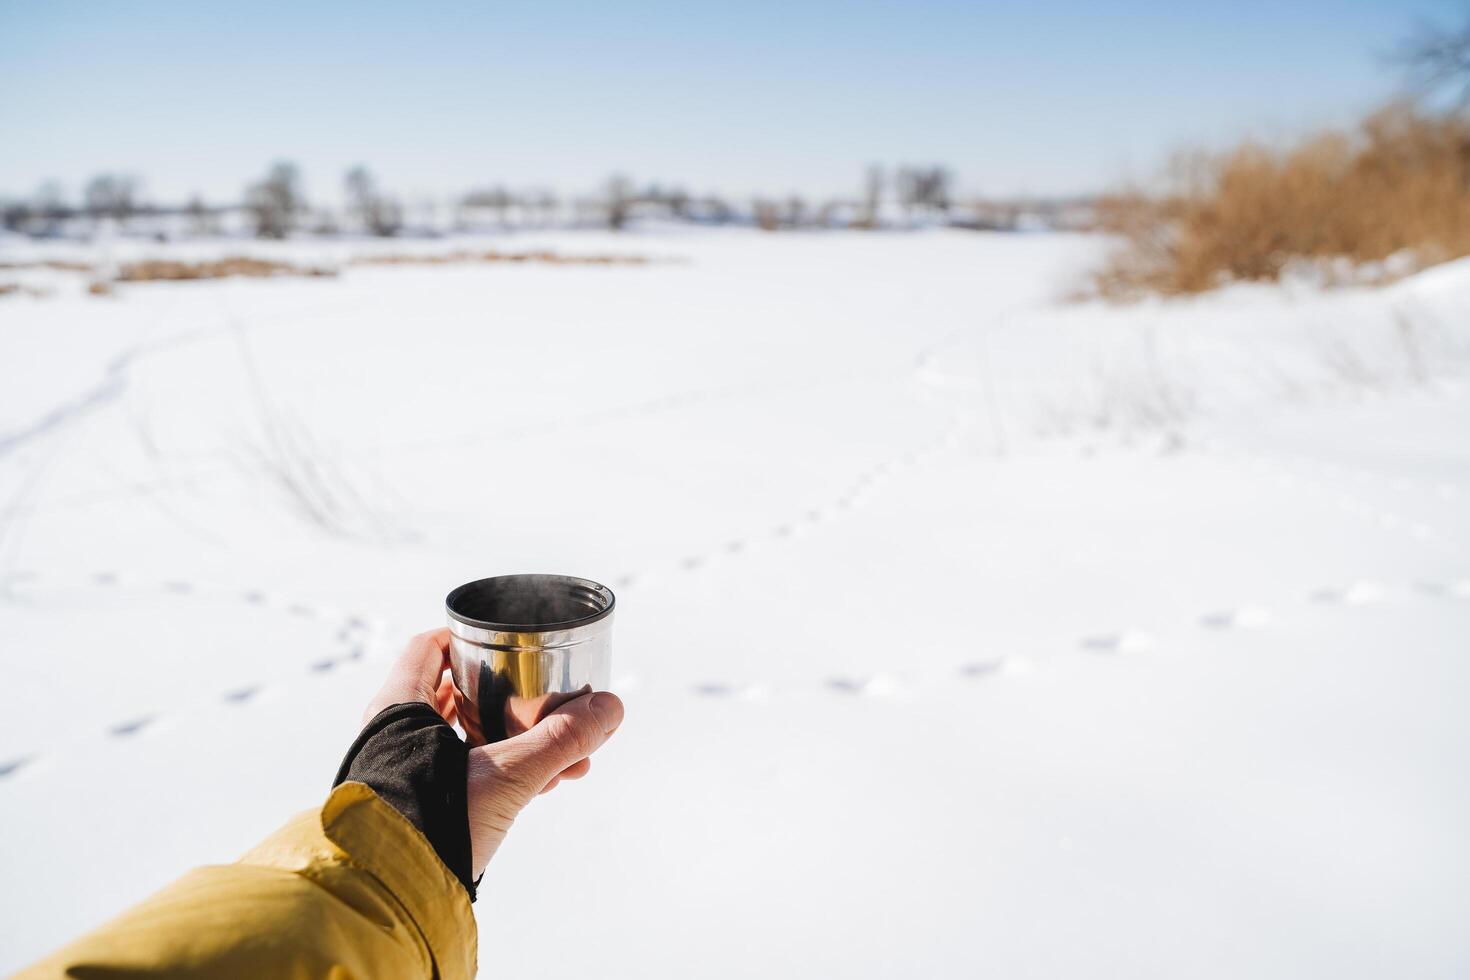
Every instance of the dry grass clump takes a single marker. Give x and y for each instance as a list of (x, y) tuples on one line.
[(57, 265), (17, 289), (1398, 185), (162, 270), (455, 258)]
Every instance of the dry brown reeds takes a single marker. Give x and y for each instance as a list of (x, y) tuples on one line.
[(18, 289), (459, 257), (1398, 185), (162, 270), (57, 265)]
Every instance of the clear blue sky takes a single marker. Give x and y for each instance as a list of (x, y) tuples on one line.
[(742, 96)]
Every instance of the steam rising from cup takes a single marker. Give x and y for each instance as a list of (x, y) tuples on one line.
[(521, 645)]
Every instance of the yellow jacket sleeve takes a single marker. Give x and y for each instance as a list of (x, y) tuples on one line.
[(352, 890)]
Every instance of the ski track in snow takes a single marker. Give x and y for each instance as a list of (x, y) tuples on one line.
[(111, 386)]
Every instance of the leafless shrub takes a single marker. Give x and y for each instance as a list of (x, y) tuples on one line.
[(1135, 394), (317, 485), (316, 482)]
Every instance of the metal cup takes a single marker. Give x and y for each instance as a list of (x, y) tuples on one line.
[(521, 645)]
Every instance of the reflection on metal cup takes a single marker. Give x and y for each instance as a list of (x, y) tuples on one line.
[(521, 645)]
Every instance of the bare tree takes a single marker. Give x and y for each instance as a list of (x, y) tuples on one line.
[(49, 200), (872, 198), (14, 213), (767, 214), (49, 209), (201, 219), (379, 214), (796, 211), (1439, 59), (501, 200), (111, 196), (496, 199), (618, 201), (276, 201), (923, 187), (545, 204)]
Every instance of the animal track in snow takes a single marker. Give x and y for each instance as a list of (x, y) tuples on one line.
[(1357, 594), (10, 767), (132, 727), (853, 495), (1128, 641), (1327, 478), (878, 685), (1459, 588), (349, 630), (354, 633), (1246, 617)]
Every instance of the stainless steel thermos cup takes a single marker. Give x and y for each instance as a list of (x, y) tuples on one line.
[(522, 644)]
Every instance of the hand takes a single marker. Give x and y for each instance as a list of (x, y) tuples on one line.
[(507, 775)]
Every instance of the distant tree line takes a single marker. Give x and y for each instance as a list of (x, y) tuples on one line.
[(276, 206), (1438, 60)]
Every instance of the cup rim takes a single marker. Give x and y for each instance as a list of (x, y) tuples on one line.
[(459, 592)]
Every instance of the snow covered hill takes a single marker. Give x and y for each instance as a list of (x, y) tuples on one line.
[(964, 629)]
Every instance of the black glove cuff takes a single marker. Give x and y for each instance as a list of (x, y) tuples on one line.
[(418, 765)]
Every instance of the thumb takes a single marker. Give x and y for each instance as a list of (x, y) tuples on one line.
[(527, 762), (415, 675)]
